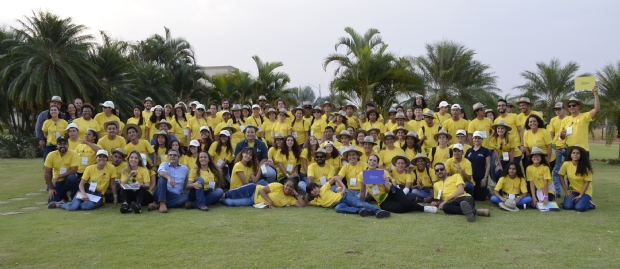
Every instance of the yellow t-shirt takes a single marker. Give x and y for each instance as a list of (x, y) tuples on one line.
[(576, 181), (317, 128), (401, 178), (101, 119), (555, 127), (320, 174), (189, 161), (579, 127), (539, 175), (101, 177), (276, 194), (452, 126), (206, 175), (511, 185), (107, 144), (326, 197), (73, 145), (514, 123), (430, 133), (211, 122), (416, 124), (181, 131), (256, 121), (484, 126), (439, 119), (61, 164), (309, 160), (410, 153), (86, 155), (194, 125), (268, 126), (289, 163), (299, 130), (448, 187), (351, 122), (224, 155), (143, 146), (84, 125), (238, 135), (335, 163), (376, 191), (337, 144), (427, 178), (441, 155), (135, 121), (350, 172), (161, 156), (54, 129), (541, 139), (465, 164), (143, 176), (379, 125), (386, 156), (235, 181), (501, 146), (282, 128)]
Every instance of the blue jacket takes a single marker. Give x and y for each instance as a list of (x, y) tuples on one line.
[(259, 148)]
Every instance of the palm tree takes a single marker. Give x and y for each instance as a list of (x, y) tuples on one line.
[(609, 85), (549, 84), (270, 83), (152, 80), (303, 94), (50, 59), (452, 74)]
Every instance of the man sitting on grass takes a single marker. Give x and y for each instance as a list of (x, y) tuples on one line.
[(170, 184)]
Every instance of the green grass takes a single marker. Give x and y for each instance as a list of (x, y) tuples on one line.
[(300, 237), (600, 151)]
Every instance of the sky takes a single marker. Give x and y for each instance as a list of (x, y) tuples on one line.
[(510, 36)]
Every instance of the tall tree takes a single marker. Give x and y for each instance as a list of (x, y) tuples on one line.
[(51, 59), (452, 74), (303, 94), (609, 86), (548, 84), (269, 82)]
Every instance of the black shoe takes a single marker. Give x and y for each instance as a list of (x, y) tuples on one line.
[(189, 205), (383, 214), (136, 208), (125, 208), (468, 211), (592, 205), (365, 212)]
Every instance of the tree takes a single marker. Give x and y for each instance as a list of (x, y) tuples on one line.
[(303, 94), (549, 84), (609, 86), (50, 59), (451, 74), (270, 83)]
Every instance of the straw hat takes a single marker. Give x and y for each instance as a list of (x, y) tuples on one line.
[(347, 150), (231, 129), (345, 133), (501, 123), (421, 156), (306, 104), (400, 115), (576, 146), (262, 98), (317, 108), (478, 106), (412, 134), (558, 105), (297, 108), (388, 133), (148, 99), (537, 151), (319, 151), (235, 107), (509, 205), (428, 113), (442, 132), (524, 100), (284, 111), (270, 110), (131, 125), (105, 125), (350, 105), (278, 136), (492, 111), (573, 100), (163, 122), (369, 139), (56, 98), (397, 157), (326, 103)]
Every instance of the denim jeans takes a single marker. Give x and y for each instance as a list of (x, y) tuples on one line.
[(201, 197), (559, 160), (46, 150), (469, 188), (270, 176), (524, 200), (350, 204), (499, 173), (83, 205), (171, 199), (303, 182), (242, 196), (582, 205), (422, 193), (71, 183)]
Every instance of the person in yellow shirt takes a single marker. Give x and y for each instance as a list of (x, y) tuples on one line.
[(400, 175), (319, 172), (212, 118), (148, 104), (112, 140), (539, 176), (558, 145), (388, 195), (504, 145), (106, 116), (318, 124), (411, 146), (343, 201), (525, 106), (179, 124), (449, 195), (340, 122), (162, 144), (441, 153), (288, 160), (139, 120), (255, 118), (138, 176), (271, 196), (389, 152), (368, 146), (196, 122), (307, 158), (133, 133), (300, 128), (401, 121), (400, 133), (481, 124), (86, 121), (204, 183), (461, 166), (427, 131), (536, 136), (246, 170), (513, 122), (578, 171), (512, 185), (327, 110), (349, 110), (575, 125), (442, 115), (268, 127), (422, 187), (72, 133), (455, 123), (350, 171), (282, 126), (98, 177), (237, 123), (374, 121), (86, 151), (328, 137), (461, 138), (60, 171), (53, 128), (191, 158)]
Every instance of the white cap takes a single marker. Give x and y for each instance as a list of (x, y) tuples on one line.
[(442, 104), (109, 104), (153, 109), (205, 128), (225, 132), (71, 125), (478, 134), (194, 143), (102, 152), (194, 103), (255, 106), (457, 146), (461, 132), (456, 106), (200, 106)]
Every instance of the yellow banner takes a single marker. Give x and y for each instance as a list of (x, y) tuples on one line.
[(584, 83)]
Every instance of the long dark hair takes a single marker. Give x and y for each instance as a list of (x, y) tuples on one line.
[(424, 104), (518, 166), (154, 118), (543, 161), (541, 123), (176, 118), (295, 148), (253, 163), (584, 166), (95, 134), (181, 151), (310, 149), (141, 121), (67, 116), (416, 141), (234, 119), (212, 168), (335, 152), (228, 145)]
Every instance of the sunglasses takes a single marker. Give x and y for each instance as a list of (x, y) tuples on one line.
[(440, 169), (319, 157), (572, 105)]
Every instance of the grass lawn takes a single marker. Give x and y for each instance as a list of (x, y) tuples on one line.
[(301, 238)]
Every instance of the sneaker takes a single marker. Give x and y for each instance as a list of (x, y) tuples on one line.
[(483, 212), (52, 205), (468, 211), (163, 208), (136, 208), (592, 205), (153, 206), (365, 212), (189, 205), (430, 209), (383, 214), (204, 208), (125, 208)]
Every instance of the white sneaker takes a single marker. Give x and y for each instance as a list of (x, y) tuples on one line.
[(430, 209)]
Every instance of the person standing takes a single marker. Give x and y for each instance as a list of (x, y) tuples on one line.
[(41, 118), (575, 126), (558, 145)]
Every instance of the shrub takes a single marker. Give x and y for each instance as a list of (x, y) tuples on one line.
[(613, 161), (18, 147)]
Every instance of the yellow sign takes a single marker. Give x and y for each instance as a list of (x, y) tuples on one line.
[(584, 83)]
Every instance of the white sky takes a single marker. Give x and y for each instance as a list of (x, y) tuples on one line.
[(510, 36)]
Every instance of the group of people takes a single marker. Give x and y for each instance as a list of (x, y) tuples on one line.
[(264, 156)]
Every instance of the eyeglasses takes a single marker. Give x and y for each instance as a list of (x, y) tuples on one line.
[(173, 155), (572, 105), (319, 157), (440, 169)]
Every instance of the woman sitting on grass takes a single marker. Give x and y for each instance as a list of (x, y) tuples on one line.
[(343, 201), (538, 173), (136, 173), (272, 196), (246, 170), (204, 183), (579, 172), (512, 182)]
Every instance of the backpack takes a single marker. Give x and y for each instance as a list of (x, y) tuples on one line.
[(434, 150)]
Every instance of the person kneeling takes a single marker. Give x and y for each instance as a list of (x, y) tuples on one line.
[(343, 201), (450, 195), (273, 195), (511, 186)]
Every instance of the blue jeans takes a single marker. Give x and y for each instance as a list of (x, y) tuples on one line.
[(350, 204), (201, 197), (303, 182), (71, 183), (270, 176), (559, 160), (46, 150), (493, 166), (83, 205), (171, 199), (469, 188), (524, 201), (242, 196), (582, 205), (422, 193)]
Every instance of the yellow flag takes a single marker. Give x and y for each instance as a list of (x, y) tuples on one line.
[(584, 83)]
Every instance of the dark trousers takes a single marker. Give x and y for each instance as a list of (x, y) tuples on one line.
[(141, 196), (480, 193), (454, 207), (398, 202)]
